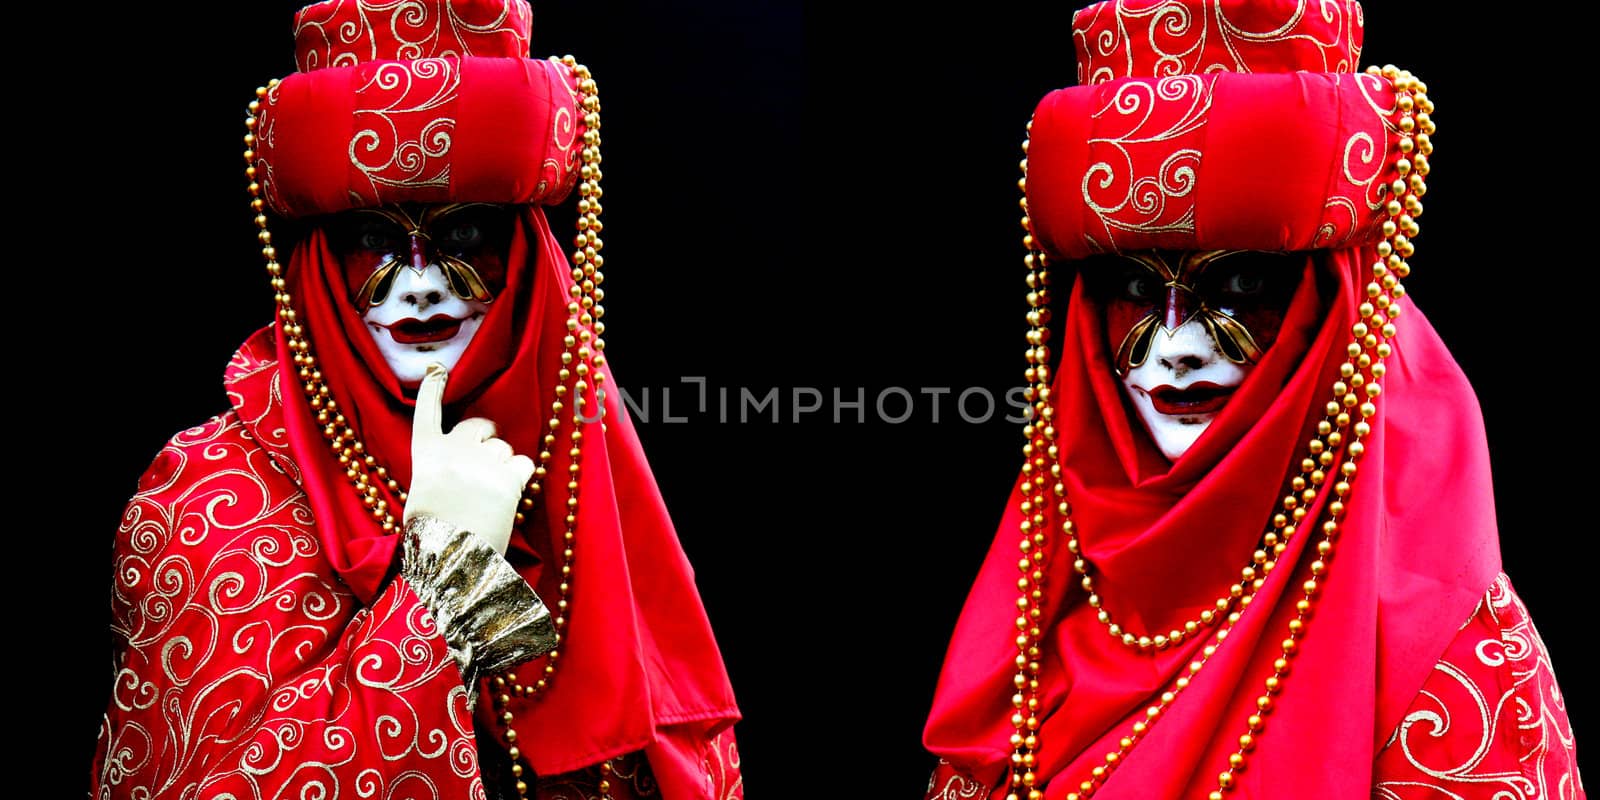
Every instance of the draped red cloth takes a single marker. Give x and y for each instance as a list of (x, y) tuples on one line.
[(639, 665), (1227, 161), (261, 650), (1489, 722), (1165, 541)]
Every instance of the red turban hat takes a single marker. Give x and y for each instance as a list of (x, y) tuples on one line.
[(423, 102)]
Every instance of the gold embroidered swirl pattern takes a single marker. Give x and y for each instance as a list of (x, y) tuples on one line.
[(244, 666), (343, 33), (1161, 38), (389, 149), (1489, 722)]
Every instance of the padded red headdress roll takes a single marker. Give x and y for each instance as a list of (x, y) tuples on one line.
[(391, 105), (1179, 141)]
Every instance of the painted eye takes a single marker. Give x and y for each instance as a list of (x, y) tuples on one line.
[(1141, 287), (1244, 283), (376, 241), (465, 236)]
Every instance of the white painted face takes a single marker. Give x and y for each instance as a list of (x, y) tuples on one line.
[(422, 277), (421, 322), (1186, 328), (1182, 386)]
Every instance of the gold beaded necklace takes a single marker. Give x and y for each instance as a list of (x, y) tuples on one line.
[(1355, 392), (582, 359)]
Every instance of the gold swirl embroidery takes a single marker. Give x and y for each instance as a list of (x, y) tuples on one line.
[(722, 768), (947, 783), (1175, 21), (1368, 154), (1357, 190), (562, 162), (350, 32), (1110, 187), (1453, 740), (380, 151), (266, 136), (1117, 37), (241, 655)]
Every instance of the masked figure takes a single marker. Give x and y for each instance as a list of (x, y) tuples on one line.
[(1252, 550), (422, 555)]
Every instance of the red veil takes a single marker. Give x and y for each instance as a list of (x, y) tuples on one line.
[(639, 665), (1194, 116)]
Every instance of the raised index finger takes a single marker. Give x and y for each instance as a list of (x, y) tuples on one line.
[(429, 417)]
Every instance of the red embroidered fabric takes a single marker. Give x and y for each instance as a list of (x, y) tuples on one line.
[(342, 33), (1488, 723), (418, 101), (1161, 37), (1206, 162), (247, 666)]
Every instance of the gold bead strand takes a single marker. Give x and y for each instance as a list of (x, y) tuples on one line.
[(1416, 127), (1281, 529), (604, 785), (580, 363), (504, 687), (1153, 713), (1355, 391), (1289, 647), (1363, 372), (361, 467), (1039, 465)]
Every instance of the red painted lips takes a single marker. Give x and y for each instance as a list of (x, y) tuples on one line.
[(436, 328), (1200, 397)]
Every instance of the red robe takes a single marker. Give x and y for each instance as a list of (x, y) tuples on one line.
[(246, 667), (1488, 723)]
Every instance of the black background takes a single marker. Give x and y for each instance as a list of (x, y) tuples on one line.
[(795, 196)]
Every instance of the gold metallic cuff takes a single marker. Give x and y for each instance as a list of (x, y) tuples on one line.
[(491, 618)]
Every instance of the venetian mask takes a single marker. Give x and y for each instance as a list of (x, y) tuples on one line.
[(1187, 328), (422, 277)]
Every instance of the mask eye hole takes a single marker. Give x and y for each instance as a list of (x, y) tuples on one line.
[(1244, 283), (1113, 278), (1140, 286), (472, 230), (377, 239), (465, 235), (366, 231), (364, 241), (1247, 279)]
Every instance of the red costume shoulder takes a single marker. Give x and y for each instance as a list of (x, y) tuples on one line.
[(1490, 720), (244, 666)]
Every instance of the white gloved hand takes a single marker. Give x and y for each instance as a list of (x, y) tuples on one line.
[(465, 477)]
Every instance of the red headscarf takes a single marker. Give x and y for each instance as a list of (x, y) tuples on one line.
[(465, 117), (1165, 540)]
